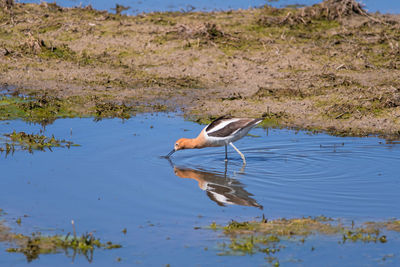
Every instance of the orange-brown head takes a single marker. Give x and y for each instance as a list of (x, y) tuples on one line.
[(182, 143), (186, 143)]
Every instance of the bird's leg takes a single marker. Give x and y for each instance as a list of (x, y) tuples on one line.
[(226, 153), (226, 168), (243, 166), (240, 153)]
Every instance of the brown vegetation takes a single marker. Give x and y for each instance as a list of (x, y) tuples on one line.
[(331, 66)]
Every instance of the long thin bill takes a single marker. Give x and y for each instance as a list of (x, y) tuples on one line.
[(170, 153)]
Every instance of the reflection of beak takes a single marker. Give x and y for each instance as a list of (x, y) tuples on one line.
[(170, 153)]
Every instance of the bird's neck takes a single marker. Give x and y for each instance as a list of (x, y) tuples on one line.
[(191, 174), (198, 142)]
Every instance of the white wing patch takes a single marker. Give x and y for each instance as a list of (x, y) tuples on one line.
[(221, 198), (222, 125), (216, 136)]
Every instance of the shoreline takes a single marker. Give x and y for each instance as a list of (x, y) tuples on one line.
[(312, 68)]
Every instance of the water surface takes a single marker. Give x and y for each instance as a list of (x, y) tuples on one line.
[(117, 180), (139, 6)]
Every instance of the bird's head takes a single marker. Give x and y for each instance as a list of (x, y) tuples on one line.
[(179, 145)]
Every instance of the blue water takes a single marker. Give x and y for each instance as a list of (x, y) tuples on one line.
[(117, 180), (139, 6)]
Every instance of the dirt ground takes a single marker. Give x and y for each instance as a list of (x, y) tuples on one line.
[(330, 67)]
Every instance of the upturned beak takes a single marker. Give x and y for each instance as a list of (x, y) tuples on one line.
[(170, 153)]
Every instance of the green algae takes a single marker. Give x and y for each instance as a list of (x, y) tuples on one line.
[(391, 225), (108, 110), (250, 245), (271, 236), (36, 244), (363, 235), (234, 225), (283, 227), (272, 120), (44, 109), (214, 226), (60, 52), (40, 109), (30, 142)]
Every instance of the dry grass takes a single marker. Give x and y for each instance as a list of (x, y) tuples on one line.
[(331, 66)]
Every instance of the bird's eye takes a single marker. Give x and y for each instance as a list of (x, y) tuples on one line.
[(176, 145)]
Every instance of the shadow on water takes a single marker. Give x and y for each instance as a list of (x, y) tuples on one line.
[(220, 188)]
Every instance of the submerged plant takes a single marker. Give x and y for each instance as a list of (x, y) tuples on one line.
[(45, 109), (271, 236), (30, 142), (36, 244), (42, 109)]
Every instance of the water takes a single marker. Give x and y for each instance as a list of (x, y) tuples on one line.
[(117, 180), (139, 6)]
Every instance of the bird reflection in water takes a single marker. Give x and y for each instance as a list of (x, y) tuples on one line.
[(220, 188)]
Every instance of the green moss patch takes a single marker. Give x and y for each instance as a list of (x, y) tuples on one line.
[(41, 109), (271, 236), (37, 244), (32, 142), (44, 109)]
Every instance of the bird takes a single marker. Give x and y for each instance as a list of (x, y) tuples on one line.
[(221, 132), (221, 189)]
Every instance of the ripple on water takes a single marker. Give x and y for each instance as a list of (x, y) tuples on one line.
[(315, 173), (116, 180)]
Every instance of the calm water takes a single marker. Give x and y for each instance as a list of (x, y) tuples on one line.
[(117, 180), (138, 6)]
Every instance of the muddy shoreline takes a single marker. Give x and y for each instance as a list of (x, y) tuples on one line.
[(330, 67)]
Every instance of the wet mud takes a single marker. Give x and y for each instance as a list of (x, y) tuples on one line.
[(331, 67)]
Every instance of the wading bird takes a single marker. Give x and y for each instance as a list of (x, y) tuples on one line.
[(221, 189), (221, 132)]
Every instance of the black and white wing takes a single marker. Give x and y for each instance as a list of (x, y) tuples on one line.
[(226, 126)]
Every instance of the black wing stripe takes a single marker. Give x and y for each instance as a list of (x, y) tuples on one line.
[(233, 127), (217, 122)]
